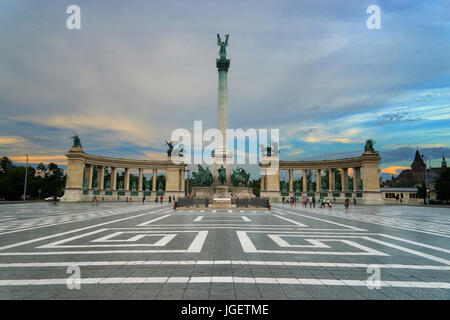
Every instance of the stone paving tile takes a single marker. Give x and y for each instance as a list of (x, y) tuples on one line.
[(247, 291), (197, 291), (271, 292), (296, 292), (224, 244)]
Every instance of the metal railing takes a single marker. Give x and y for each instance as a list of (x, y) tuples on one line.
[(191, 202), (255, 202)]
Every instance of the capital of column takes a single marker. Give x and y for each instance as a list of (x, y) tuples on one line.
[(223, 64)]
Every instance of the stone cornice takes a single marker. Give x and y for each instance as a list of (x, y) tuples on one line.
[(355, 162), (79, 154)]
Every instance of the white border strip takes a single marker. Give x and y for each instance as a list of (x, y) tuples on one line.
[(227, 279), (220, 262)]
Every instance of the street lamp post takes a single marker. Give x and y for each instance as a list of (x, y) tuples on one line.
[(25, 186), (427, 201)]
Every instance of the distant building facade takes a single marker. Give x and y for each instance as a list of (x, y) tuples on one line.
[(417, 171)]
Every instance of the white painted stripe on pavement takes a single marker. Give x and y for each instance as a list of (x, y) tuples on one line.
[(227, 279), (198, 242), (246, 243), (291, 221), (153, 220)]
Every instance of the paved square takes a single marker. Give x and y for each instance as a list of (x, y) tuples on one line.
[(135, 251)]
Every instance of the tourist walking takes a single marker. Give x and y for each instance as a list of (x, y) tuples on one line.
[(170, 199), (314, 201), (347, 204), (161, 198)]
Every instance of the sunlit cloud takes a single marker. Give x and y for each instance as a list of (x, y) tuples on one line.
[(59, 160), (5, 140), (394, 169)]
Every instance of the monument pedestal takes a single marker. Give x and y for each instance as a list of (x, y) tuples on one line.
[(222, 198), (222, 203)]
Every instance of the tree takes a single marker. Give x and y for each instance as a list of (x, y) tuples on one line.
[(422, 191), (442, 186), (5, 165), (12, 181), (256, 187)]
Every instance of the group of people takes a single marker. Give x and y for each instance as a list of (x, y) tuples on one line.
[(311, 201)]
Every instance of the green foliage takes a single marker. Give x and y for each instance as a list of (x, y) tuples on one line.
[(5, 165), (161, 180), (442, 186), (404, 184), (422, 191), (50, 182), (256, 187)]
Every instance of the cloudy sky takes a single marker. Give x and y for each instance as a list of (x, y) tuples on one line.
[(137, 70)]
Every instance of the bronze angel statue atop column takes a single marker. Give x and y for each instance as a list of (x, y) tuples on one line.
[(222, 45)]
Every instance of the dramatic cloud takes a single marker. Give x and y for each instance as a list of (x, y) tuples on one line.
[(137, 71)]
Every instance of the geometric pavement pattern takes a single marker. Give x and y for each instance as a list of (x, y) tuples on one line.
[(150, 251)]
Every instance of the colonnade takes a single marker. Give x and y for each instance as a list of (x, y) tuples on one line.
[(88, 178), (365, 169), (80, 173)]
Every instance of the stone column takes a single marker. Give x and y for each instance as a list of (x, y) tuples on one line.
[(332, 179), (126, 182), (318, 180), (344, 179), (172, 179), (141, 179), (305, 180), (291, 180), (113, 178), (74, 173), (182, 174), (262, 179), (222, 65), (101, 177), (155, 173), (356, 178), (273, 181), (370, 176), (75, 168), (90, 173)]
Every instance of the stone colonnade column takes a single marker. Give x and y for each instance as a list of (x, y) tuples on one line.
[(332, 179), (356, 178), (318, 180), (344, 179), (101, 177), (141, 179), (126, 183), (291, 180), (113, 178), (90, 173), (155, 173), (305, 180)]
